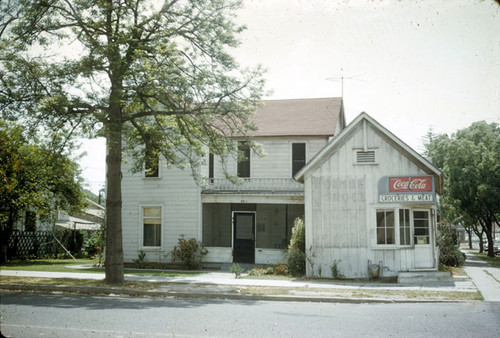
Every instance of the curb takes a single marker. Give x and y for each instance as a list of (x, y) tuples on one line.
[(103, 291)]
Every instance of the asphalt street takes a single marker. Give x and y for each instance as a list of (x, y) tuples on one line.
[(67, 315)]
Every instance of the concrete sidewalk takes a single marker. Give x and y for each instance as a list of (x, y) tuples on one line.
[(484, 276), (223, 285)]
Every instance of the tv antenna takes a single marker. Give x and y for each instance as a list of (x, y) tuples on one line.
[(342, 78)]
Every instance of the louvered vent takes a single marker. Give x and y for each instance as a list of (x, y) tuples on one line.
[(365, 156)]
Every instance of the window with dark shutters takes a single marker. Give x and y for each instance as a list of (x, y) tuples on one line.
[(298, 157)]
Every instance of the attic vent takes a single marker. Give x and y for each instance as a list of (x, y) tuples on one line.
[(365, 157)]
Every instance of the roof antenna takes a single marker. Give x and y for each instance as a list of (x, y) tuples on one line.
[(341, 79)]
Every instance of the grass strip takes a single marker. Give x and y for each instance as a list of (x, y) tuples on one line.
[(256, 290), (494, 261)]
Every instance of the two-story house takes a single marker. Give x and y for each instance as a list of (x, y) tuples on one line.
[(249, 222)]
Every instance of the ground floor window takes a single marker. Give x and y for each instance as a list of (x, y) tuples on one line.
[(385, 227), (151, 221), (404, 227), (410, 223)]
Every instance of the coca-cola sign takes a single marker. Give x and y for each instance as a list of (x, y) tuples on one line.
[(410, 184)]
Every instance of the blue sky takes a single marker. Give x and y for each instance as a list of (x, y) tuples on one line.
[(410, 64)]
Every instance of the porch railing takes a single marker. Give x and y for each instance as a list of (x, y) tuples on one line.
[(253, 184)]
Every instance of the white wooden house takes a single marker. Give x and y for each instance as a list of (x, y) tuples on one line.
[(370, 205), (250, 222)]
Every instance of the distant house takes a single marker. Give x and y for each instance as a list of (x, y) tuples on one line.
[(91, 218), (370, 205), (249, 222)]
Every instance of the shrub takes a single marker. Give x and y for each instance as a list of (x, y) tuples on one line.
[(257, 272), (236, 269), (272, 269), (449, 254), (280, 269), (296, 255), (335, 270), (190, 252), (141, 260), (91, 244)]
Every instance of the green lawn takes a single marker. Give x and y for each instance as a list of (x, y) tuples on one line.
[(495, 261), (67, 265)]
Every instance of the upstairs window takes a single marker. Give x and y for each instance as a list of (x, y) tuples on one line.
[(152, 165), (298, 157), (244, 159), (210, 165)]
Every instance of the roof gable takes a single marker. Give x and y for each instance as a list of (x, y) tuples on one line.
[(299, 117), (338, 141)]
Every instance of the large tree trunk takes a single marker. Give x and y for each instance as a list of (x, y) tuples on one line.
[(487, 224), (469, 231), (5, 233), (114, 242)]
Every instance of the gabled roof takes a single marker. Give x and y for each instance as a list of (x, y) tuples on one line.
[(299, 117), (336, 142)]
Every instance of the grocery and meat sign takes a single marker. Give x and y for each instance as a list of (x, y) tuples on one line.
[(406, 189)]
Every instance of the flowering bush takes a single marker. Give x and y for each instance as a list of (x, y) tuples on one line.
[(190, 252)]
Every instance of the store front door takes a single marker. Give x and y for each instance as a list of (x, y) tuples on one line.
[(424, 257), (244, 237)]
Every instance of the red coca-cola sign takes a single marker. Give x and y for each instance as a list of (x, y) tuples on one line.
[(410, 184)]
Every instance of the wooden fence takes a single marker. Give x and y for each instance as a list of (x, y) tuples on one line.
[(32, 244)]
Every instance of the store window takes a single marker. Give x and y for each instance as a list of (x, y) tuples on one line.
[(385, 227), (151, 226), (404, 227)]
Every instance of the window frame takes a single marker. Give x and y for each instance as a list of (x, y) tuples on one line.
[(146, 165), (394, 227), (243, 146), (293, 160), (406, 227), (428, 228), (398, 227), (142, 218)]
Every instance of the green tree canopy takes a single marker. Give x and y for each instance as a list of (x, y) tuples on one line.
[(34, 178), (470, 160), (154, 73)]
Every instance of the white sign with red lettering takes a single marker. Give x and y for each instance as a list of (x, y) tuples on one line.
[(406, 189)]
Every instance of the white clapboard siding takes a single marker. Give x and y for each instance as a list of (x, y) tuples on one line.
[(277, 160), (179, 196), (339, 198)]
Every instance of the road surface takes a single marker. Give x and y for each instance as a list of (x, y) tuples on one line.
[(65, 315)]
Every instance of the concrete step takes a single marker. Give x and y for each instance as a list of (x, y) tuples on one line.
[(424, 277)]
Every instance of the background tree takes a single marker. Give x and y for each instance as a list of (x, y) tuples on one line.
[(34, 180), (470, 160), (155, 74)]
